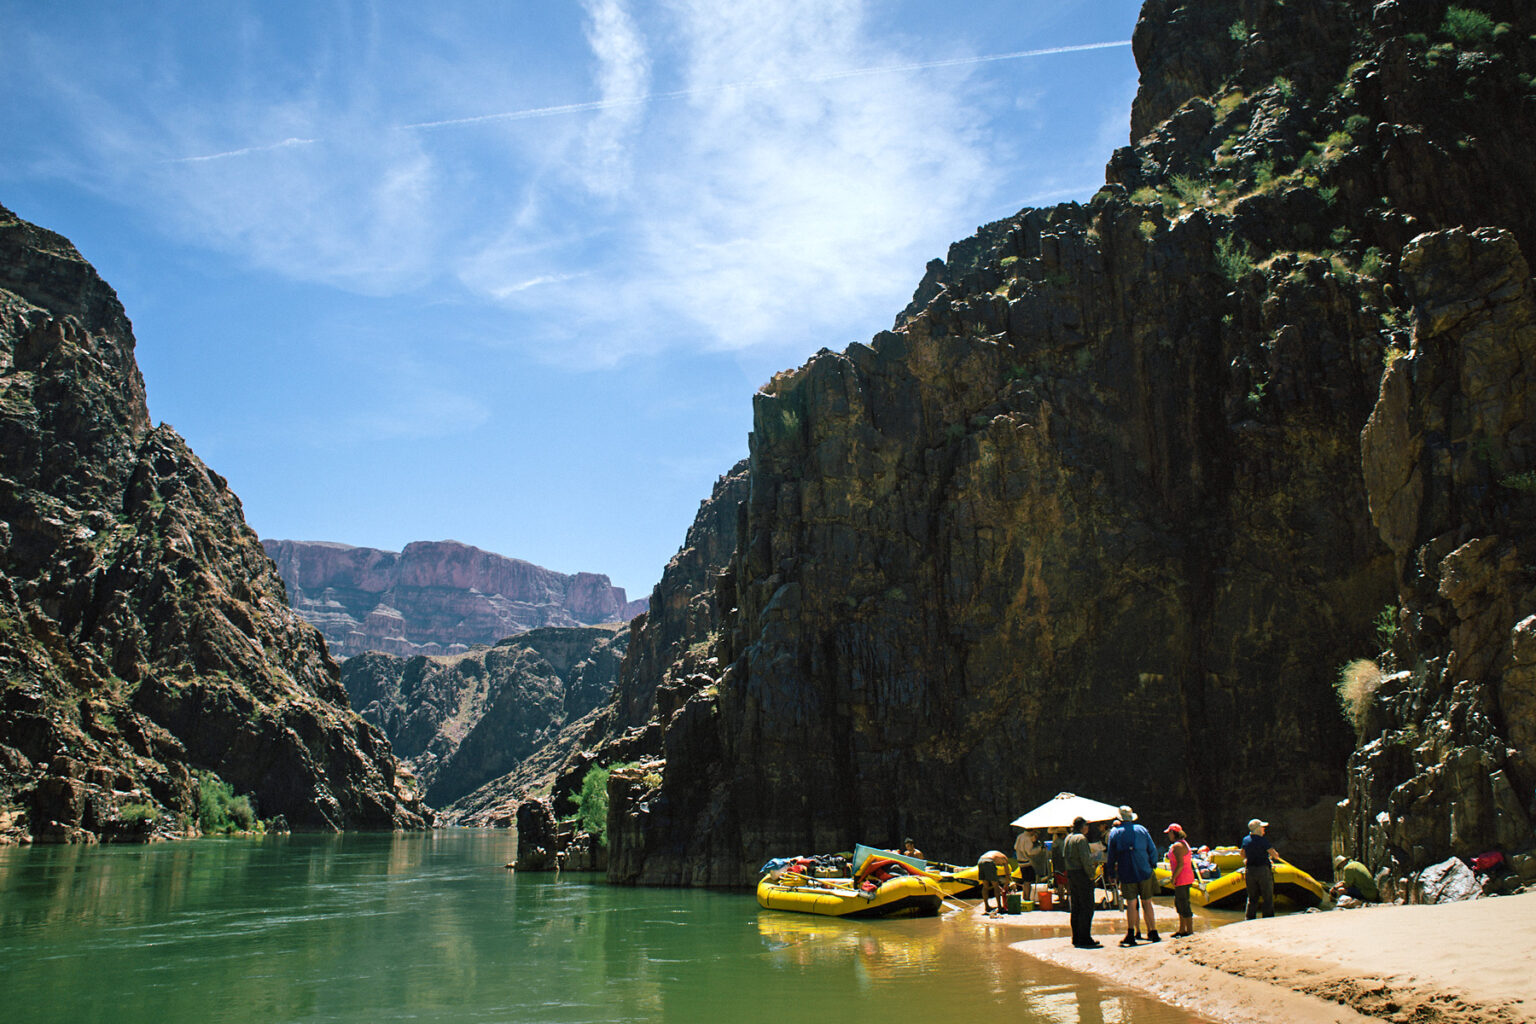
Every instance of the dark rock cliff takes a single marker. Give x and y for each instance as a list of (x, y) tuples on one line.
[(1097, 514), (460, 722), (669, 661), (435, 597), (143, 631)]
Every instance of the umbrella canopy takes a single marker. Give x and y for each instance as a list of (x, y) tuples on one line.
[(1059, 811)]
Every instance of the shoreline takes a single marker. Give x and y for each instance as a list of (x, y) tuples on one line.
[(1456, 963)]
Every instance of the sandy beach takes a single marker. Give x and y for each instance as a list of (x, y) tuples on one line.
[(1456, 963)]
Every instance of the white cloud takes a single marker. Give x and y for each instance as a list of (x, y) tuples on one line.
[(765, 213), (623, 74)]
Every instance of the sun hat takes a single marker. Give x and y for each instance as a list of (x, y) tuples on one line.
[(1254, 824), (1340, 861), (1126, 814)]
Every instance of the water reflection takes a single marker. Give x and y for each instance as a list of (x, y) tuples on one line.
[(432, 928)]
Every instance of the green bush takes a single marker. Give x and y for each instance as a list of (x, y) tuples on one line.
[(219, 811), (1233, 257), (1386, 626), (1239, 31), (133, 813), (1371, 264), (1467, 26), (592, 803)]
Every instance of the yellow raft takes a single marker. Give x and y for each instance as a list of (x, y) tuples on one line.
[(907, 896), (1229, 890)]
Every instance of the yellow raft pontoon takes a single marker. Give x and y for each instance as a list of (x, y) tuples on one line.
[(1229, 889), (907, 896)]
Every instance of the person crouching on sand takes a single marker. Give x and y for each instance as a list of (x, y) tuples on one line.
[(1181, 864), (993, 872)]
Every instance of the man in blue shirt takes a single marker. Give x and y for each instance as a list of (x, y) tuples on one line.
[(1258, 855), (1132, 855)]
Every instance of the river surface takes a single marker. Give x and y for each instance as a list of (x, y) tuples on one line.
[(432, 927)]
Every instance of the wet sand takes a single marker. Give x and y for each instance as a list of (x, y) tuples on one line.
[(1455, 963)]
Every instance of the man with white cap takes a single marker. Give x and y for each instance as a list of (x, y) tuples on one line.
[(1258, 854)]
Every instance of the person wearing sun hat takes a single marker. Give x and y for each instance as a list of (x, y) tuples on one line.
[(1258, 856), (1131, 857), (1181, 864)]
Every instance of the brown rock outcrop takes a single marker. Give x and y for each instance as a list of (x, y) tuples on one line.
[(1094, 515), (1448, 766), (143, 631), (460, 722), (435, 597)]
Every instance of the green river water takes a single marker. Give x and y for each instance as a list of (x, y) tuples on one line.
[(432, 927)]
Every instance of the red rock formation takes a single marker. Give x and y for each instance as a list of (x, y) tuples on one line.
[(435, 597)]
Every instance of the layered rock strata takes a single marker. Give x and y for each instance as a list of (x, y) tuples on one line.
[(144, 633), (435, 597), (1095, 514)]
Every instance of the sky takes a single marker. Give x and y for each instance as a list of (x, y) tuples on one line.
[(510, 272)]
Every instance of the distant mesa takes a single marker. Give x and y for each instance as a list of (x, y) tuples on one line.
[(435, 597)]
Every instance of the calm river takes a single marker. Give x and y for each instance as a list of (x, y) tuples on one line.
[(431, 927)]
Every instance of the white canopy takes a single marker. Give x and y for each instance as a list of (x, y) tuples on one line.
[(1059, 811)]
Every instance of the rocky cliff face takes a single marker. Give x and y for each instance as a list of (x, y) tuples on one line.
[(461, 722), (1097, 514), (143, 631), (435, 597)]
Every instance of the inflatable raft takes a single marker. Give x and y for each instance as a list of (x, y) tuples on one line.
[(959, 882), (1229, 889), (907, 896)]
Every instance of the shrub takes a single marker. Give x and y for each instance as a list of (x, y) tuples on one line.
[(219, 810), (1371, 264), (1285, 87), (1386, 626), (1190, 190), (592, 802), (1525, 482), (1354, 124), (1238, 31), (1357, 683), (133, 813), (1467, 26), (1233, 257)]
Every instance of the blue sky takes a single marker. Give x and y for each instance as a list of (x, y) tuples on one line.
[(509, 272)]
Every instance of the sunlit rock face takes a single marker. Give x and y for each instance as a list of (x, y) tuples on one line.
[(1097, 513), (435, 597), (144, 634), (461, 722)]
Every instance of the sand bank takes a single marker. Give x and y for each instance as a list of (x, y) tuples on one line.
[(1456, 963)]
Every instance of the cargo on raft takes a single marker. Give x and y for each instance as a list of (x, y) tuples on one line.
[(882, 885)]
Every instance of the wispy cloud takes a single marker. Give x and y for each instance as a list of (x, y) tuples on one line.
[(748, 175)]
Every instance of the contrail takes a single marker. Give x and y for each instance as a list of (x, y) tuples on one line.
[(285, 144), (631, 101)]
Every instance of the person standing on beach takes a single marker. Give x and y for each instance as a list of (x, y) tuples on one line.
[(1258, 856), (1131, 857), (1028, 849), (1181, 865), (1079, 862)]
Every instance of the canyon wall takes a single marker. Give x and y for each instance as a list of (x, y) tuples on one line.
[(1097, 515), (144, 633), (435, 597), (461, 722)]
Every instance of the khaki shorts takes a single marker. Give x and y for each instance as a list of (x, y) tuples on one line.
[(1144, 888)]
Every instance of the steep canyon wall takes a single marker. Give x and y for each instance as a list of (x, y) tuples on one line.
[(1097, 513)]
